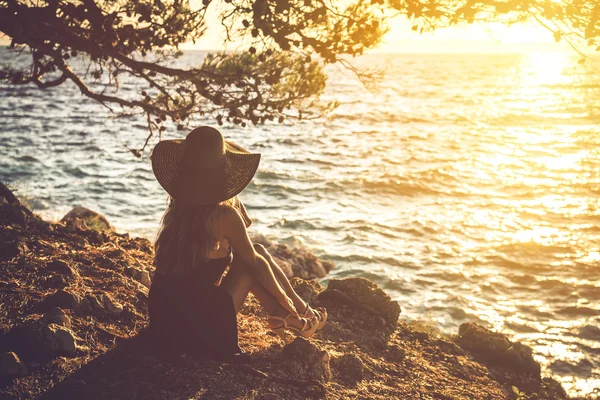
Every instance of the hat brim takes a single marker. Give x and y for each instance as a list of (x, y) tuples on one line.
[(237, 171)]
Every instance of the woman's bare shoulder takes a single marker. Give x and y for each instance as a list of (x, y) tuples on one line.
[(229, 219)]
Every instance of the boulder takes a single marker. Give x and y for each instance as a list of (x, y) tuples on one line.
[(95, 237), (91, 219), (12, 212), (145, 279), (348, 368), (395, 353), (10, 249), (368, 293), (497, 349), (11, 365), (62, 299), (111, 306), (39, 340), (7, 195), (63, 269), (142, 276), (307, 360), (60, 340), (96, 305), (307, 289), (58, 317), (76, 225), (449, 347), (57, 282), (104, 304)]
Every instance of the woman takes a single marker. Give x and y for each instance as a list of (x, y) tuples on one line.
[(192, 306)]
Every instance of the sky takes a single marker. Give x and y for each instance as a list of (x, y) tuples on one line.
[(482, 38), (474, 38)]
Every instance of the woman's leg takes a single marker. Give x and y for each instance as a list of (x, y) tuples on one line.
[(239, 282), (299, 303)]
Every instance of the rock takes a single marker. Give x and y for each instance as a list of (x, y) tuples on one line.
[(111, 306), (91, 219), (396, 353), (12, 212), (419, 335), (145, 279), (104, 304), (75, 225), (552, 389), (95, 237), (61, 298), (96, 305), (141, 276), (450, 347), (39, 340), (307, 289), (349, 368), (108, 263), (138, 243), (61, 267), (61, 341), (11, 365), (62, 274), (308, 360), (10, 249), (58, 317), (368, 293), (497, 349), (57, 281), (7, 195), (15, 214)]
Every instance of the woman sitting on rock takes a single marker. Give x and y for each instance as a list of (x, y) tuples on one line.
[(192, 306)]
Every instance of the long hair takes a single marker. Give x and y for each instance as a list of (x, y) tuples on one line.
[(185, 236)]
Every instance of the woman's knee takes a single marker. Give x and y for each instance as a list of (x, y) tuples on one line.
[(260, 249)]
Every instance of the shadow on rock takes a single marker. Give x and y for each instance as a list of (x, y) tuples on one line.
[(133, 370)]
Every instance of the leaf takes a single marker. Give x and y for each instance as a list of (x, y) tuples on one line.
[(516, 390)]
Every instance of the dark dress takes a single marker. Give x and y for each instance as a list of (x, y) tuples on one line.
[(189, 314)]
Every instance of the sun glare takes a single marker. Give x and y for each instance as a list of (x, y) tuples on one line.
[(527, 37), (547, 68)]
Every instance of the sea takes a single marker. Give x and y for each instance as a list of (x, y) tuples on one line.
[(466, 185)]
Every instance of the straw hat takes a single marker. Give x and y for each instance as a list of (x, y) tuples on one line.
[(203, 168)]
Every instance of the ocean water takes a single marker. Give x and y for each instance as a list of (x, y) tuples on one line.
[(467, 186)]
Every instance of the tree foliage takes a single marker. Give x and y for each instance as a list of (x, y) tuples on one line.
[(96, 44)]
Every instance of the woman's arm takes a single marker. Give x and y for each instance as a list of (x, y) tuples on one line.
[(233, 228)]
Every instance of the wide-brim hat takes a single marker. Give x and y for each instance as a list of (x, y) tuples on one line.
[(203, 168)]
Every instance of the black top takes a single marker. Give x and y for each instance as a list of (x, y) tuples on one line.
[(189, 314)]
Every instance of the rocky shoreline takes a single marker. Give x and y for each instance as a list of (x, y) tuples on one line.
[(73, 317)]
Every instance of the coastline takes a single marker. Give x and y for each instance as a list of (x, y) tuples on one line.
[(74, 313)]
